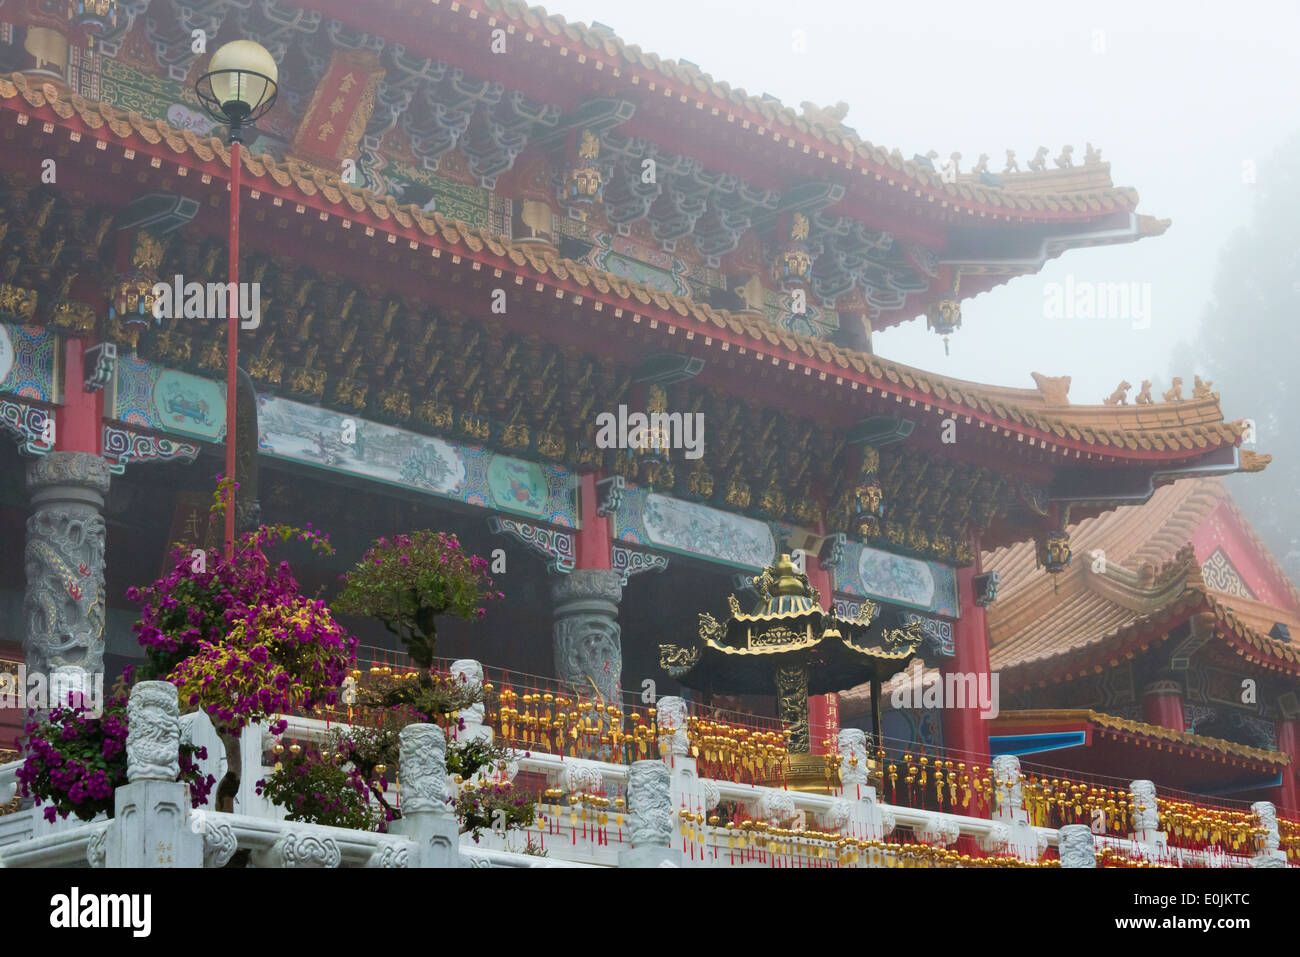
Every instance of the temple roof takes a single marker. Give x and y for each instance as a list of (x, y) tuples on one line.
[(1179, 430), (1045, 627), (1078, 192), (1136, 732)]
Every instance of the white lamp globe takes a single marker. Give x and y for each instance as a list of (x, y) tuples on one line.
[(244, 77)]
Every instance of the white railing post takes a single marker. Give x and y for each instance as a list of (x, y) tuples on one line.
[(427, 818), (1076, 846), (856, 812), (1146, 815), (151, 826), (1011, 832), (1270, 855), (471, 672), (650, 817)]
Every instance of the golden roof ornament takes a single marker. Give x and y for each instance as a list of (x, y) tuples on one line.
[(944, 317), (584, 184), (786, 635)]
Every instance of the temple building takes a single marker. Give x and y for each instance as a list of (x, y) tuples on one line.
[(476, 229)]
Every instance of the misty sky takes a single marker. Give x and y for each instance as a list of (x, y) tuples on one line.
[(1183, 95)]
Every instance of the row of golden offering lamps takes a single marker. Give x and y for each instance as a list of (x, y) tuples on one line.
[(567, 725)]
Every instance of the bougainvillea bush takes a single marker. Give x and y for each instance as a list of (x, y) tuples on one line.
[(75, 759), (407, 582), (239, 640), (320, 786), (493, 806)]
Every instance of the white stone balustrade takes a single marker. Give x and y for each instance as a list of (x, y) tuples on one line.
[(651, 832)]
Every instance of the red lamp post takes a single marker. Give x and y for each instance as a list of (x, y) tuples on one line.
[(239, 88)]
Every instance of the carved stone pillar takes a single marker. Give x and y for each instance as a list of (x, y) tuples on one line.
[(63, 608), (427, 818), (1077, 847), (1269, 853), (152, 824), (588, 650), (650, 817)]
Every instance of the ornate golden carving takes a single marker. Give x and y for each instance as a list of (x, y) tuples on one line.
[(700, 482), (676, 660), (792, 706), (779, 635), (1175, 393), (77, 318), (18, 301), (737, 493)]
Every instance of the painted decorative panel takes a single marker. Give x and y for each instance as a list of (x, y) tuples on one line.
[(1222, 576), (877, 574), (164, 400), (29, 363), (383, 453), (649, 518)]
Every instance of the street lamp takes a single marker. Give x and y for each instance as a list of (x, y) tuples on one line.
[(239, 88)]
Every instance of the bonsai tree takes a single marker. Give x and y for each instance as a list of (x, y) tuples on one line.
[(409, 581), (239, 640)]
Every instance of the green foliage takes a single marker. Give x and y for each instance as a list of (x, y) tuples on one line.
[(319, 788), (408, 582), (494, 806), (430, 696)]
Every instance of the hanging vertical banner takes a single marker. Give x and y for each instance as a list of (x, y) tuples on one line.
[(340, 109)]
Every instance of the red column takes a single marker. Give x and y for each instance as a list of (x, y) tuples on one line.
[(1287, 797), (964, 731), (1162, 704), (594, 538), (823, 709), (79, 422)]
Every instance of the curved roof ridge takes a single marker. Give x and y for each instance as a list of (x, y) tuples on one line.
[(826, 123), (1157, 428)]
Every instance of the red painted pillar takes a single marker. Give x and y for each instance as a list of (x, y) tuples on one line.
[(1162, 705), (1287, 797), (594, 538), (965, 735), (823, 709), (79, 422)]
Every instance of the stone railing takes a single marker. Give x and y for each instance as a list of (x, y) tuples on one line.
[(648, 814)]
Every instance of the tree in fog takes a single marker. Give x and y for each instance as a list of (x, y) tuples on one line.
[(1249, 345)]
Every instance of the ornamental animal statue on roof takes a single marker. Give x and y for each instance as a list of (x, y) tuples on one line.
[(1039, 163), (1119, 396), (830, 117)]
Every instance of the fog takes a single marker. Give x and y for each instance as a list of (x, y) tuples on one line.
[(1184, 100)]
